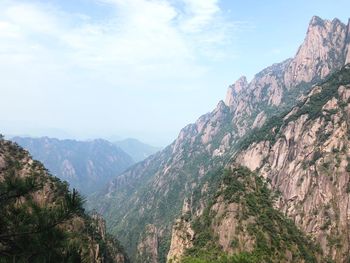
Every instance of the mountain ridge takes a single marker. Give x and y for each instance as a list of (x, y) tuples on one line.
[(86, 165), (136, 149), (154, 190)]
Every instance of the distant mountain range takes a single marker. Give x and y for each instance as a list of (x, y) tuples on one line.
[(85, 165), (136, 149)]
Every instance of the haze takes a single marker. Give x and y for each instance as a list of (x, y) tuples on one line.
[(136, 68)]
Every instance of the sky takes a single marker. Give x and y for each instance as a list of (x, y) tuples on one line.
[(114, 69)]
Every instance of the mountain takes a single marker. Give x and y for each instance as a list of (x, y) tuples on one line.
[(238, 218), (142, 204), (303, 154), (42, 221), (86, 165), (136, 149)]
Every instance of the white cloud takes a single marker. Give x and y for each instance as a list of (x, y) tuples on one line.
[(199, 14), (138, 59), (142, 34), (8, 30), (30, 18)]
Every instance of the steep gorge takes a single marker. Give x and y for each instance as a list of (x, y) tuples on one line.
[(142, 204)]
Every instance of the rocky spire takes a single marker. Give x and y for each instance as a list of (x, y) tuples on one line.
[(347, 50), (240, 85), (321, 51)]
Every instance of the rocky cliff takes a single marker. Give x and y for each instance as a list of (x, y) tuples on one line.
[(42, 221), (231, 218), (152, 193), (307, 161)]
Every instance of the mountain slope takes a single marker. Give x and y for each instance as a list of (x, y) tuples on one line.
[(231, 217), (307, 161), (42, 221), (304, 156), (136, 149), (142, 204), (86, 165)]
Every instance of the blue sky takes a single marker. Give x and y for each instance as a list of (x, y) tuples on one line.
[(137, 68)]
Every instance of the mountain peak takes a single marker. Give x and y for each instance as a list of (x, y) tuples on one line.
[(240, 85), (321, 51), (347, 56), (221, 105), (316, 21)]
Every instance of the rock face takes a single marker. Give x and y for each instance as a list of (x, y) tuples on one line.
[(182, 235), (148, 247), (308, 162), (238, 219), (325, 42), (85, 165), (240, 85), (48, 215), (152, 192), (347, 50)]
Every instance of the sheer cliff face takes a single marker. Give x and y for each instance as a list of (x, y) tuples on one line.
[(347, 49), (325, 42), (151, 193), (309, 163)]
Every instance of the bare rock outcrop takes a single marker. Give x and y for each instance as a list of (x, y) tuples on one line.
[(309, 165), (322, 51), (148, 247)]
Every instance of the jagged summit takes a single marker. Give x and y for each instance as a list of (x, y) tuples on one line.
[(240, 85), (318, 21), (326, 47), (347, 59), (321, 51)]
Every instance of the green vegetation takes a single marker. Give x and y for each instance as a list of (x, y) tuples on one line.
[(329, 89), (273, 233), (268, 132), (41, 220), (223, 258)]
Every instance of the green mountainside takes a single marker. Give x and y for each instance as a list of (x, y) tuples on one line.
[(42, 220), (242, 199)]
